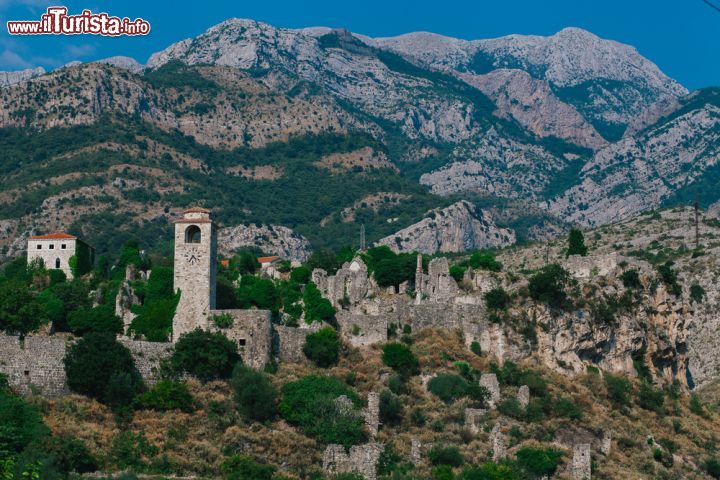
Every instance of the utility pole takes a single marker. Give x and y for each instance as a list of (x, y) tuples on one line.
[(362, 238), (697, 224)]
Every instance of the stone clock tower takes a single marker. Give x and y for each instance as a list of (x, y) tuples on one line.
[(195, 270)]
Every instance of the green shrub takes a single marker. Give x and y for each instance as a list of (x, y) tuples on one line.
[(223, 320), (497, 299), (548, 286), (100, 367), (475, 348), (449, 387), (397, 385), (696, 405), (323, 347), (98, 319), (391, 408), (511, 374), (301, 275), (259, 293), (651, 398), (255, 396), (712, 467), (154, 320), (576, 243), (400, 358), (311, 404), (631, 279), (240, 467), (488, 471), (484, 261), (457, 272), (697, 293), (20, 312), (442, 472), (317, 308), (70, 455), (619, 390), (567, 408), (511, 408), (670, 278), (446, 455), (538, 461), (20, 425), (204, 355), (167, 395)]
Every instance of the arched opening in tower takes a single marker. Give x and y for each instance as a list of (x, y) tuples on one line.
[(192, 234)]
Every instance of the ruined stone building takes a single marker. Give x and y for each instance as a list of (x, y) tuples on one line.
[(59, 250)]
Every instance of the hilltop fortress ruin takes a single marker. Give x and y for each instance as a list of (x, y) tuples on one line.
[(367, 314)]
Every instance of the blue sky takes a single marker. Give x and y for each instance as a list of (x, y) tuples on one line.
[(681, 36)]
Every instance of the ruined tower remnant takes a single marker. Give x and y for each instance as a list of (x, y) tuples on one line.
[(195, 270)]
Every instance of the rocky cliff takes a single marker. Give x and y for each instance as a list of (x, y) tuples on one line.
[(270, 239), (457, 228)]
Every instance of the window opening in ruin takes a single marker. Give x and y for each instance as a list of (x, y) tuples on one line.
[(192, 234), (242, 342), (57, 263), (52, 246), (63, 246), (27, 373), (39, 247)]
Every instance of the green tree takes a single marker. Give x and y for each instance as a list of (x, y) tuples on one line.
[(497, 299), (311, 404), (255, 396), (619, 390), (20, 425), (258, 292), (154, 320), (317, 308), (576, 243), (101, 318), (400, 358), (548, 286), (204, 355), (167, 395), (240, 467), (538, 461), (484, 261), (391, 408), (446, 455), (100, 367), (301, 274), (20, 312), (323, 347)]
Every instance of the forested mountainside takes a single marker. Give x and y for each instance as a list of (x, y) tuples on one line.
[(322, 130)]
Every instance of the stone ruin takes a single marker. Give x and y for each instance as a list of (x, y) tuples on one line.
[(591, 265), (437, 285), (473, 419), (490, 381), (498, 443), (580, 467), (523, 396), (350, 284), (360, 459), (415, 451), (127, 297), (372, 413)]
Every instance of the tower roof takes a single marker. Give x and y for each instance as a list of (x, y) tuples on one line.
[(196, 210)]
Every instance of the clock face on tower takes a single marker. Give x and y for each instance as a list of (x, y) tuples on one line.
[(193, 256)]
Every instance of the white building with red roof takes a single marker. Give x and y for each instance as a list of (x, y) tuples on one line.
[(59, 251)]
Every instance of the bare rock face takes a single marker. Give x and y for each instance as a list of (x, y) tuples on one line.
[(457, 228), (532, 103), (271, 239), (639, 173), (11, 78)]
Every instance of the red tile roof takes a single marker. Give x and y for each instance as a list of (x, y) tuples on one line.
[(268, 259), (225, 262), (197, 210), (54, 236)]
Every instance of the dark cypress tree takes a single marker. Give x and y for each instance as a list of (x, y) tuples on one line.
[(576, 243)]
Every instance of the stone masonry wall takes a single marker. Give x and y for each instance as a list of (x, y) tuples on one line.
[(36, 366), (290, 341), (252, 330), (361, 330)]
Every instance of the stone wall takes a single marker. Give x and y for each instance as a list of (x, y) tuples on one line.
[(290, 341), (361, 459), (592, 265), (252, 330), (361, 330), (40, 248), (36, 365)]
